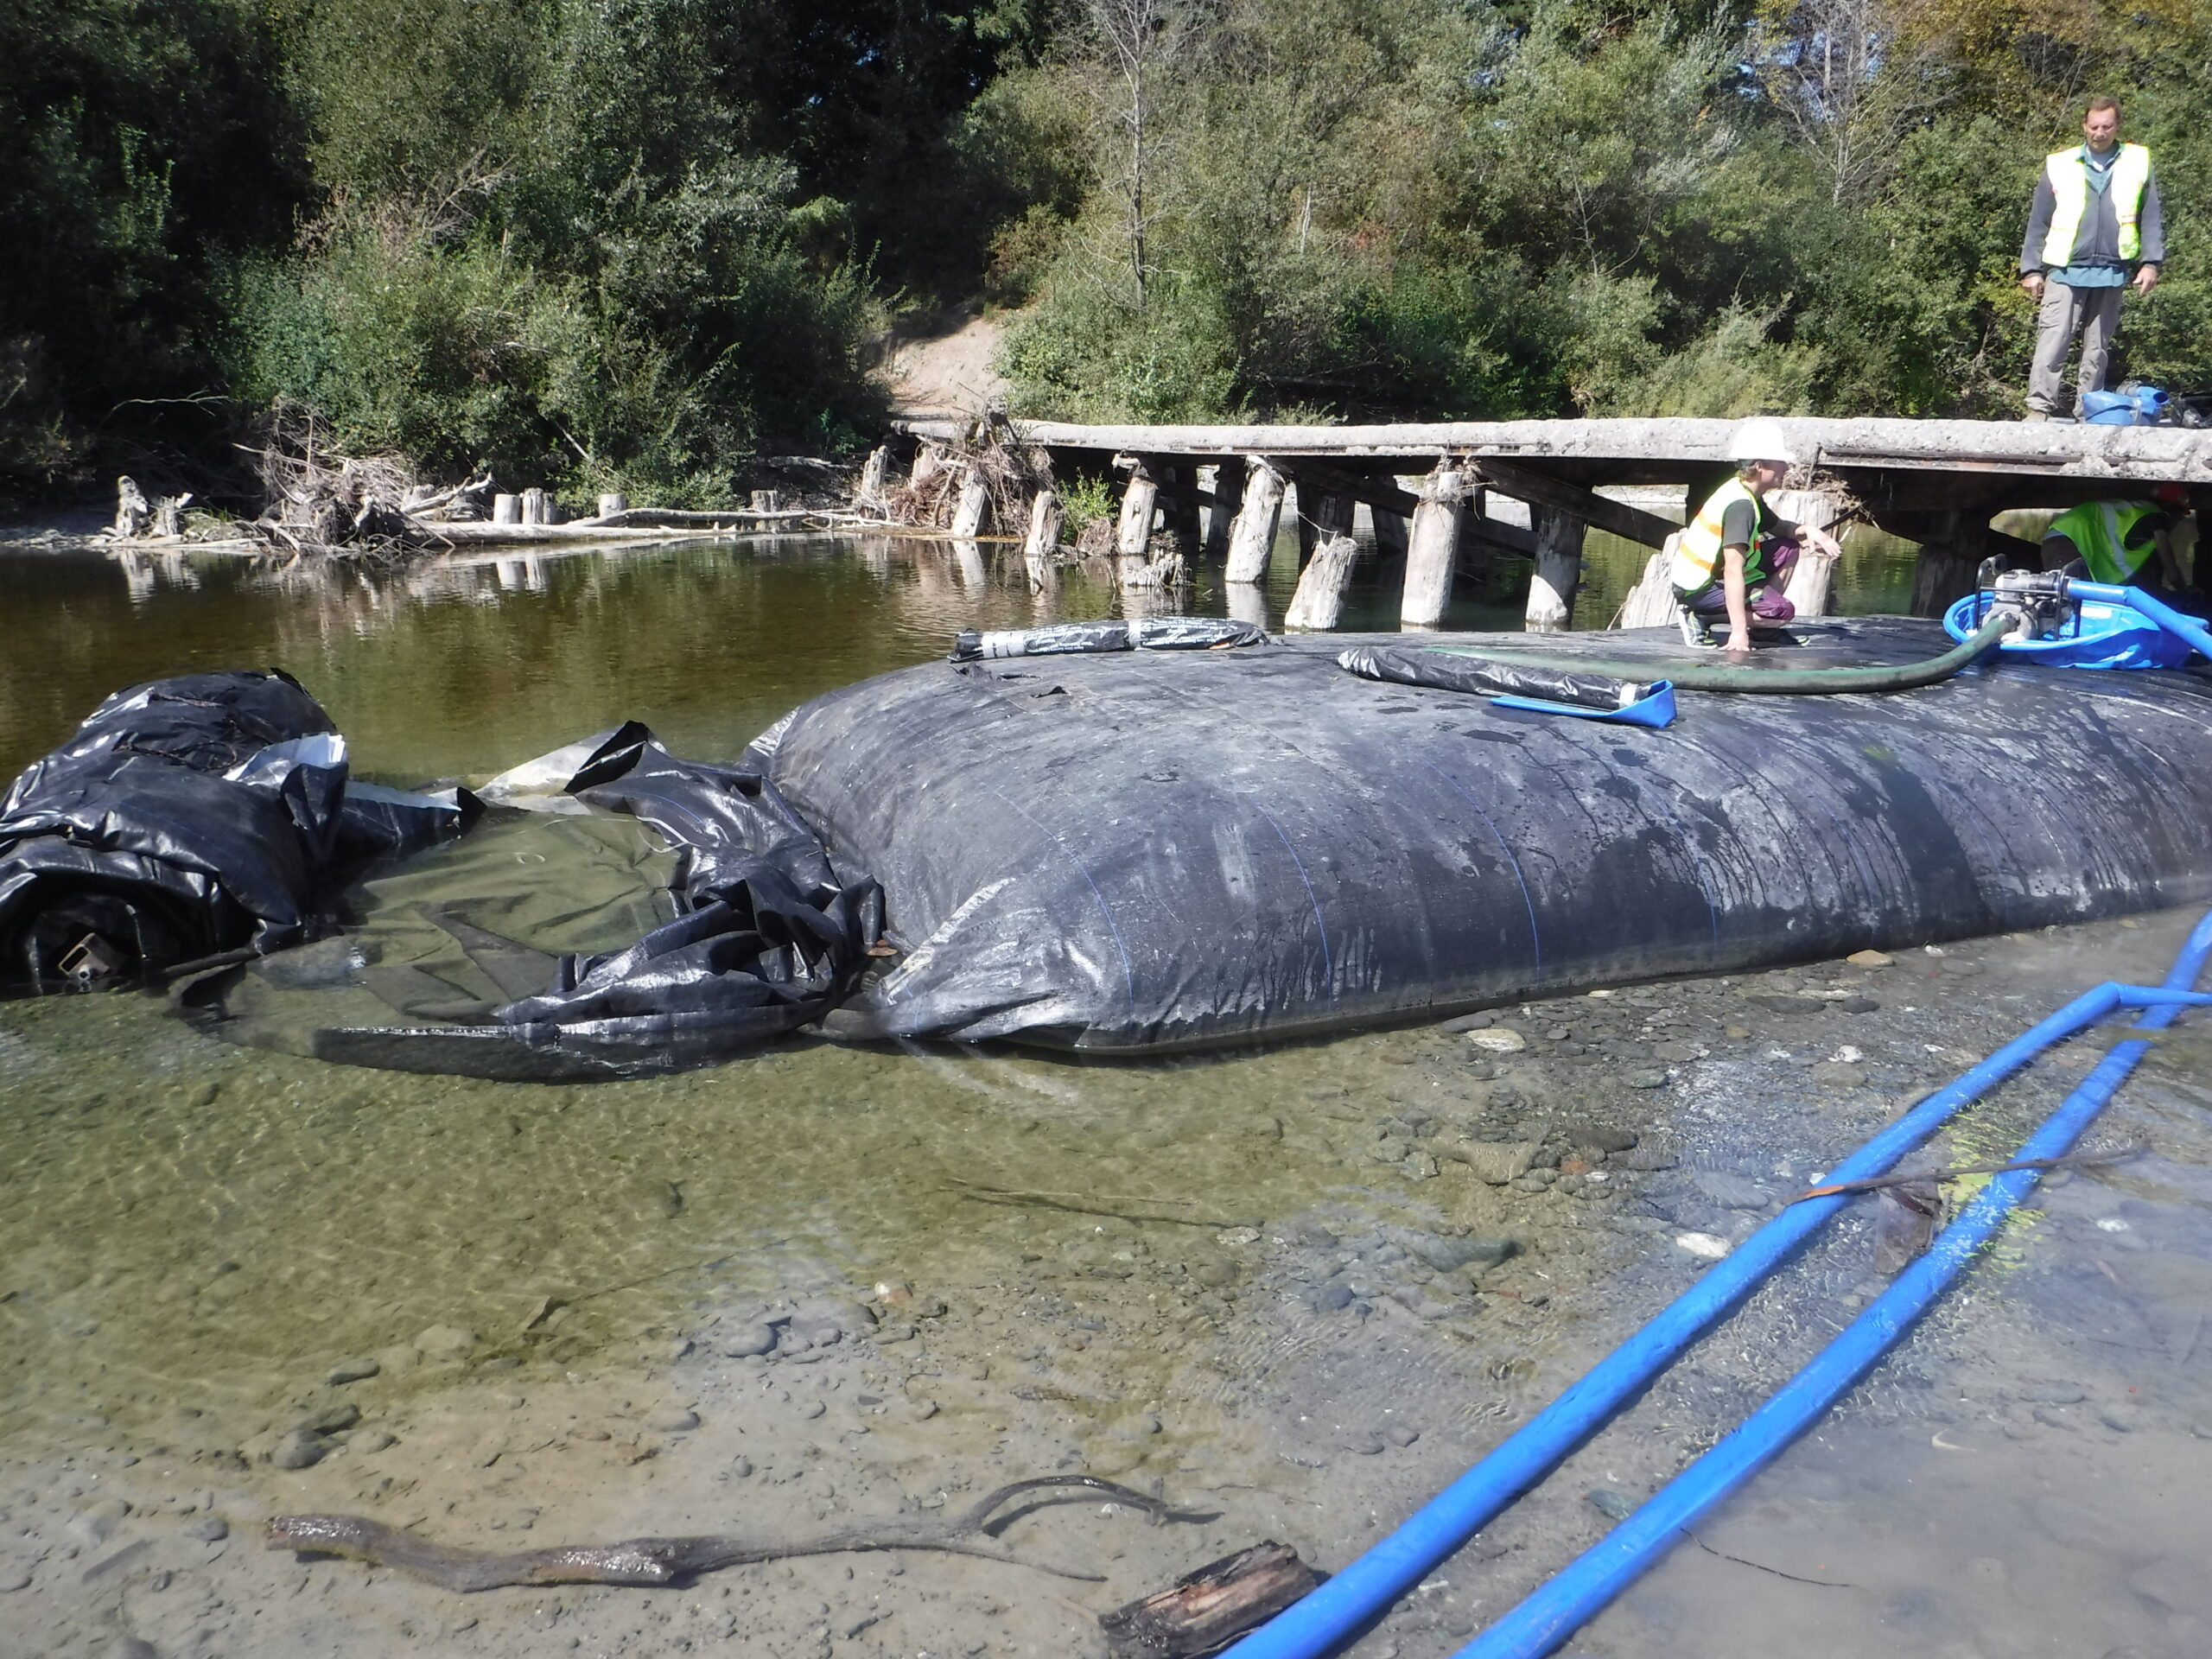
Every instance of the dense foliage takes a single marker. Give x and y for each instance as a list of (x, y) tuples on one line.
[(630, 242)]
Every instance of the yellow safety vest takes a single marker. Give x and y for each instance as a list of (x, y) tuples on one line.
[(1698, 543), (2102, 532), (2069, 189)]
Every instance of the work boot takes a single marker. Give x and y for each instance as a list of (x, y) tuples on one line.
[(2037, 414)]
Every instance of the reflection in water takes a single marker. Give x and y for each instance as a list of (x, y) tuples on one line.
[(463, 665)]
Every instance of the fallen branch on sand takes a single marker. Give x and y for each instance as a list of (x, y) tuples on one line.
[(664, 1560), (1077, 1204)]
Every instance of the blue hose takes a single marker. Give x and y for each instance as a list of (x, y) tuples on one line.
[(1545, 1618), (1364, 1589), (2173, 621)]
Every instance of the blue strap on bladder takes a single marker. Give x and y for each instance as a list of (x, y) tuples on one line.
[(1655, 707)]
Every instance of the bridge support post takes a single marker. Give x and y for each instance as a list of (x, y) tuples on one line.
[(1040, 554), (1134, 538), (1252, 539), (1228, 500), (1559, 570), (1432, 548), (1320, 600)]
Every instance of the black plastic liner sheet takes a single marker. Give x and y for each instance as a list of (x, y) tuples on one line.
[(186, 817), (1151, 852), (768, 937)]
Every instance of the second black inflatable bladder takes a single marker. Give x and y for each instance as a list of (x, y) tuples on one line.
[(1146, 852)]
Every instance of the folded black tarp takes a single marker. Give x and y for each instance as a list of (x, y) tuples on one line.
[(186, 817), (768, 937), (1133, 852)]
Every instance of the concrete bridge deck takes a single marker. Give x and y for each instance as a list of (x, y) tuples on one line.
[(1938, 483)]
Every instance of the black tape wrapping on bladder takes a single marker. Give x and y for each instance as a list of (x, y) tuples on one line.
[(132, 830), (1488, 676), (1084, 638)]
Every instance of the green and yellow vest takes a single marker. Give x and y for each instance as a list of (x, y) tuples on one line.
[(2069, 189)]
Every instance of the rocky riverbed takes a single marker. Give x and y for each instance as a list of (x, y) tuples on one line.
[(1295, 1291)]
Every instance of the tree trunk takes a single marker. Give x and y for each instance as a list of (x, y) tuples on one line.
[(1559, 570), (974, 501), (1433, 549), (132, 510), (1252, 539), (1041, 553), (1133, 539), (1320, 600), (867, 496)]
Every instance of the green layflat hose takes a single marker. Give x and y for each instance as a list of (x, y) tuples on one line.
[(1772, 681)]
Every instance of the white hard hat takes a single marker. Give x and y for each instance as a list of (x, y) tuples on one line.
[(1762, 440)]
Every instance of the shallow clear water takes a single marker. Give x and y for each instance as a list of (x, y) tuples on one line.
[(192, 1233)]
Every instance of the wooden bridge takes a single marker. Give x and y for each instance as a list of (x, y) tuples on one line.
[(1939, 483)]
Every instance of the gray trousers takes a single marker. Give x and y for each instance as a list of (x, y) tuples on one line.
[(2093, 313)]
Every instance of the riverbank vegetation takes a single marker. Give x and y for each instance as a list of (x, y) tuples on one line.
[(626, 243)]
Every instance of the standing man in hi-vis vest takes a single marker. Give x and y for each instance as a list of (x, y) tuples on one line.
[(2095, 213)]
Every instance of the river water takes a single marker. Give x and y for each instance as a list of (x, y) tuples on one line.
[(1214, 1274)]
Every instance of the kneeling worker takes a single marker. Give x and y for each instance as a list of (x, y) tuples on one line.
[(1732, 559), (2117, 540)]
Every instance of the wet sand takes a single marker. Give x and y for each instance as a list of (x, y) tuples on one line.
[(1268, 1286)]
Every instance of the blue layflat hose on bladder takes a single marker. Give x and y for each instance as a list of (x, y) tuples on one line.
[(1553, 1613), (1335, 1611)]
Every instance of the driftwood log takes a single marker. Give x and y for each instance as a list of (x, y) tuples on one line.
[(1209, 1608), (667, 1560)]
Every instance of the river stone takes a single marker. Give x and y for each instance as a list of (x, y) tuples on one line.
[(209, 1529), (131, 1647), (1869, 959), (446, 1341), (1583, 1132), (331, 1420), (1495, 1161), (1675, 1053), (748, 1341), (2054, 1394), (1732, 1191), (1615, 1505), (300, 1450), (1857, 1005), (96, 1523), (676, 1420), (831, 1320), (1401, 1435), (352, 1370), (1137, 1426), (14, 1578), (1647, 1079), (398, 1359), (1333, 1297), (1498, 1039), (1467, 1022)]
